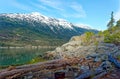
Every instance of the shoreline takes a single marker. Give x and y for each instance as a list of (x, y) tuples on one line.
[(33, 47)]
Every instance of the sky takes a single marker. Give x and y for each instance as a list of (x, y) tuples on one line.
[(93, 13)]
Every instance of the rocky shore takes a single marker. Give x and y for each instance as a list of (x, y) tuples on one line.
[(94, 66), (76, 48), (98, 60), (72, 60)]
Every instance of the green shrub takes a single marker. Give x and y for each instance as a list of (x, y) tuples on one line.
[(100, 34), (88, 38), (112, 38), (96, 45), (36, 60)]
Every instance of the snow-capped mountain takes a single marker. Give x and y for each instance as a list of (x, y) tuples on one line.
[(35, 16), (36, 23), (83, 26)]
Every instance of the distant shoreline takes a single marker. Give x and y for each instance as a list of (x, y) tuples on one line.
[(33, 47)]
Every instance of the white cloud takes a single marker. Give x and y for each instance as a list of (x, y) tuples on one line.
[(38, 6), (79, 11), (117, 14), (52, 3), (66, 9), (62, 8)]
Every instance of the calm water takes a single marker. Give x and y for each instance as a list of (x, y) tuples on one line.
[(19, 56)]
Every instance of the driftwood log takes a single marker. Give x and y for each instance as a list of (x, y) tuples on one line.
[(21, 70), (114, 61), (100, 75), (90, 73)]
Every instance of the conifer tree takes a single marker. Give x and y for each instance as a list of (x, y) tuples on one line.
[(111, 22)]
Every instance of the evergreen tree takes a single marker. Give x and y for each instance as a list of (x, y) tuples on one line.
[(111, 22), (118, 23)]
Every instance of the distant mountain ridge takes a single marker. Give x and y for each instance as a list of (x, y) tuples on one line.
[(36, 29)]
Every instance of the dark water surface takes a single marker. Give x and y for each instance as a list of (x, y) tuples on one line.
[(19, 56)]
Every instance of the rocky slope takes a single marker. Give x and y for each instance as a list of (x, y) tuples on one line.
[(36, 29), (97, 61), (76, 48)]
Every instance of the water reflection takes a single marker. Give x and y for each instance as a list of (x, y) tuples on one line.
[(19, 56)]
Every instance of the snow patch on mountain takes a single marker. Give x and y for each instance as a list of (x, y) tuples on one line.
[(50, 21), (85, 26), (35, 16)]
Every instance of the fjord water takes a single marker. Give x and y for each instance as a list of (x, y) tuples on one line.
[(19, 56)]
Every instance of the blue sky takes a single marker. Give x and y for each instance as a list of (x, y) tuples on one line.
[(94, 13)]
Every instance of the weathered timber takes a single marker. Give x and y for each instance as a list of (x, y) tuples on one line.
[(99, 76), (90, 73), (37, 67), (114, 61)]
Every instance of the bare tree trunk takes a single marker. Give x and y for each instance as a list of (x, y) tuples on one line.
[(21, 70), (89, 74)]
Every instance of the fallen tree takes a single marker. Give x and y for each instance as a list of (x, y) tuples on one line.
[(114, 61), (21, 70), (89, 74)]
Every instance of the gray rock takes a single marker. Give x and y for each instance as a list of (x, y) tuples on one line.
[(93, 55), (106, 65), (97, 59), (69, 48), (84, 68), (109, 45), (104, 57), (59, 49)]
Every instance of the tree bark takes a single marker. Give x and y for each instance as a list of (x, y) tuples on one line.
[(114, 61), (21, 70)]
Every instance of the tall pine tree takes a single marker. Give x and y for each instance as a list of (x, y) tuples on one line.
[(111, 22)]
